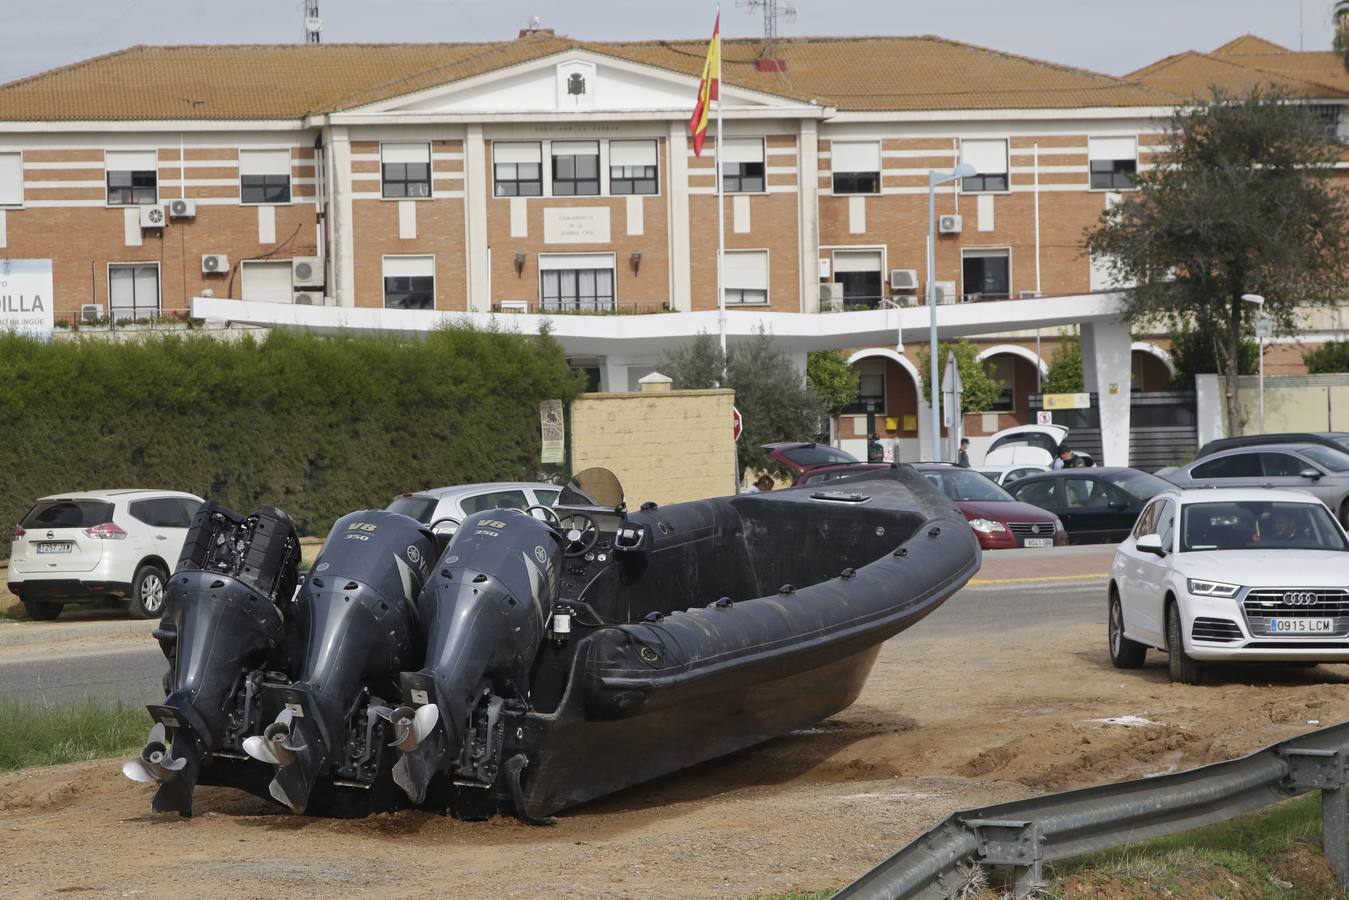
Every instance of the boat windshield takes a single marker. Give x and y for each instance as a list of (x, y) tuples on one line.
[(596, 487), (1259, 525), (966, 484)]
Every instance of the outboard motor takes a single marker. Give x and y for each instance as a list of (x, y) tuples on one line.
[(226, 606), (484, 612), (354, 626)]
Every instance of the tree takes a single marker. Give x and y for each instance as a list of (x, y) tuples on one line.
[(1241, 202), (1340, 18), (770, 392), (832, 379), (1195, 351), (1065, 367), (1329, 357), (981, 390)]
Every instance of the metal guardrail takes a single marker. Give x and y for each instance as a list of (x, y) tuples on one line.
[(1028, 833)]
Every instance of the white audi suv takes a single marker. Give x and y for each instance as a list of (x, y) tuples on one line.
[(1230, 575)]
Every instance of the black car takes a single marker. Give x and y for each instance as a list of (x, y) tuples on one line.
[(1096, 505), (1337, 439)]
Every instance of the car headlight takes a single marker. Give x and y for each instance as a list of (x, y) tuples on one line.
[(1202, 587), (988, 526), (1058, 526)]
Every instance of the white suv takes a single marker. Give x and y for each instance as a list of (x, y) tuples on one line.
[(87, 545), (1231, 574)]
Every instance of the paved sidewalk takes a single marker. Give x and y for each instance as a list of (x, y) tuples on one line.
[(1083, 563)]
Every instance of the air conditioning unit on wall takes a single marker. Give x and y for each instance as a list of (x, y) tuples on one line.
[(306, 271), (312, 298), (91, 312), (182, 209), (946, 292), (152, 217), (949, 224), (903, 279), (214, 264)]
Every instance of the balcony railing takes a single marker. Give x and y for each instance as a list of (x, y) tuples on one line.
[(583, 307)]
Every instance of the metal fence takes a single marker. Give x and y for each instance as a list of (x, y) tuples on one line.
[(1026, 834)]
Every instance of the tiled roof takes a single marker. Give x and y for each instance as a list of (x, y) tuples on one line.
[(289, 81), (1245, 63)]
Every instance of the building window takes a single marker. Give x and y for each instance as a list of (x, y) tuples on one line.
[(405, 170), (576, 168), (409, 282), (579, 282), (11, 179), (1329, 114), (856, 166), (989, 158), (1114, 163), (517, 169), (870, 387), (133, 291), (987, 274), (745, 277), (133, 177), (742, 166), (632, 167), (860, 274), (264, 176)]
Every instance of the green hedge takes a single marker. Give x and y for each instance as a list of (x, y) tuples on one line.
[(1329, 358), (317, 426)]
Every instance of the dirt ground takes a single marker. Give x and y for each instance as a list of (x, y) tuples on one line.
[(944, 724)]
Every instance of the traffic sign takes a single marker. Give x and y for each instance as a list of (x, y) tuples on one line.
[(737, 424)]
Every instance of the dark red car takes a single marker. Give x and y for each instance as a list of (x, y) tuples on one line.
[(1000, 522), (802, 458)]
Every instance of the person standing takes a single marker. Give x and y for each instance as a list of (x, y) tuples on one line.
[(963, 454)]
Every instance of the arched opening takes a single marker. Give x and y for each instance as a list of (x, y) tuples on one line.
[(1015, 369), (889, 382), (1151, 368)]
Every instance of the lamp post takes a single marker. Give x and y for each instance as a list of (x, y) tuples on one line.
[(1261, 329), (934, 178)]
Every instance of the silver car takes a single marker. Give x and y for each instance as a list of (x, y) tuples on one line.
[(1316, 469), (444, 508)]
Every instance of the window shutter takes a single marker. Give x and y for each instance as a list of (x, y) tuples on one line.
[(742, 150), (405, 152), (576, 148), (632, 153), (11, 179), (131, 161), (554, 261), (852, 261), (1113, 148), (516, 152), (987, 157), (746, 270), (409, 266), (855, 156), (264, 162)]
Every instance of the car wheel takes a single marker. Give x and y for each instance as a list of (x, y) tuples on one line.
[(42, 610), (1344, 513), (1183, 668), (147, 592), (1124, 653)]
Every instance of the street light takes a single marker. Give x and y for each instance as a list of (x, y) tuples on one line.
[(964, 170), (1260, 329)]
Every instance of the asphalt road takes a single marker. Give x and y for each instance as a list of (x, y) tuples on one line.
[(130, 669)]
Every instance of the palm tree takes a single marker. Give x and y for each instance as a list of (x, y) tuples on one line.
[(1341, 19)]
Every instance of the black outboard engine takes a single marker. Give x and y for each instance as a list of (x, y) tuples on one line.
[(484, 611), (224, 616), (353, 631)]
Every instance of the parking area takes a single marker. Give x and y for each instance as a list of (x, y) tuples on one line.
[(1005, 691)]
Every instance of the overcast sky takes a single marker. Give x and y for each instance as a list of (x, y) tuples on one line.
[(1114, 37)]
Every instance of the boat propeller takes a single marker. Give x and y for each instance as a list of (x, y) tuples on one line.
[(155, 764), (274, 745), (410, 726)]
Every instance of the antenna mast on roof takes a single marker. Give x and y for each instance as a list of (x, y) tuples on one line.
[(772, 10), (313, 22)]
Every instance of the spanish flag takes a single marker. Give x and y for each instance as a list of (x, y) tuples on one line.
[(708, 90)]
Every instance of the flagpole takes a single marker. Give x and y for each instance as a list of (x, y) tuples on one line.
[(721, 203)]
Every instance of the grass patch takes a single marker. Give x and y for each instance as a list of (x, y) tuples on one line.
[(34, 735), (1270, 855)]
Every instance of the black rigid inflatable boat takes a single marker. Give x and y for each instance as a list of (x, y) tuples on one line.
[(537, 658)]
